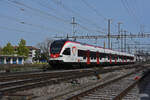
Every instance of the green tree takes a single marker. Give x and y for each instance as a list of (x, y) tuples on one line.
[(8, 49), (22, 49), (0, 50)]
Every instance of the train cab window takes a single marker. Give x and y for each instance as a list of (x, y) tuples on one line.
[(84, 57), (56, 46), (66, 51)]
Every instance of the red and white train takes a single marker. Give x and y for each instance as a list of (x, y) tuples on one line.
[(65, 52)]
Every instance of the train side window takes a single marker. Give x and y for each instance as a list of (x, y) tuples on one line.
[(108, 57), (66, 51), (113, 57), (81, 53), (102, 55)]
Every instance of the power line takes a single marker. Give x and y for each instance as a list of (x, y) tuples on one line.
[(30, 24), (40, 11), (136, 9), (81, 26), (133, 12), (76, 13), (37, 10), (95, 10), (130, 12), (51, 8), (92, 8), (90, 30), (12, 29)]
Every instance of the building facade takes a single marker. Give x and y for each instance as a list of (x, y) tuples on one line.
[(32, 53), (11, 59)]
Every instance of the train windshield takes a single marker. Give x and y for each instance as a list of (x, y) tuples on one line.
[(56, 46)]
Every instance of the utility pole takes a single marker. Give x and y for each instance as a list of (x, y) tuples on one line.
[(73, 26), (119, 23), (125, 40), (104, 45), (109, 33), (121, 40), (129, 49), (111, 45), (142, 29)]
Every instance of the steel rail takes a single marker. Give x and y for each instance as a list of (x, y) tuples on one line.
[(84, 93), (129, 88), (6, 91), (15, 77)]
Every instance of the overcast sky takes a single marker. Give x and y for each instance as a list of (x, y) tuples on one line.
[(36, 20)]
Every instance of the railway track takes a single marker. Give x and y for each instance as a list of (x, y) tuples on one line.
[(52, 74), (14, 86), (29, 75), (113, 89), (23, 82)]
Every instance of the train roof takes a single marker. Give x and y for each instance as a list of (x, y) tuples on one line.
[(113, 51)]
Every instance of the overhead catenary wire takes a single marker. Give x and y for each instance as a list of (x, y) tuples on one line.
[(51, 8), (39, 26), (90, 30), (136, 9), (30, 24), (93, 9), (76, 13), (13, 29), (38, 10), (79, 24), (133, 12), (130, 12), (96, 11)]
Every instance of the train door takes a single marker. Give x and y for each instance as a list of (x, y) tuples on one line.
[(74, 54), (123, 59), (110, 59), (97, 57), (88, 57), (67, 55), (115, 59)]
